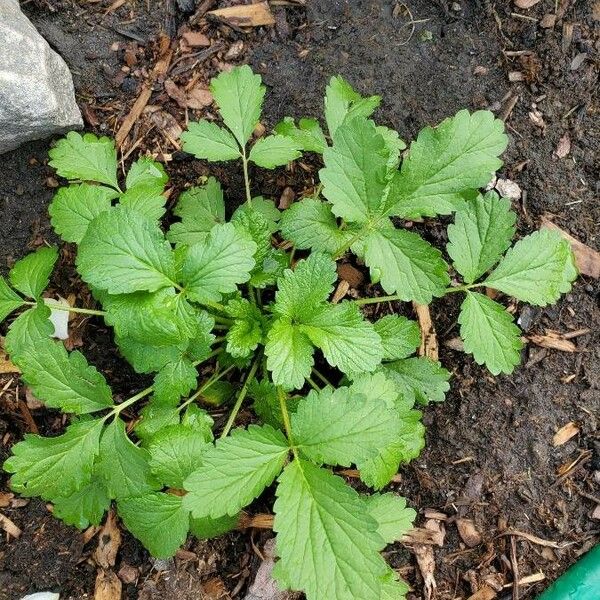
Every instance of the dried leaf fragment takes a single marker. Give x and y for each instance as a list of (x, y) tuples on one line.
[(108, 586), (565, 433), (468, 533), (245, 15), (564, 146), (525, 3)]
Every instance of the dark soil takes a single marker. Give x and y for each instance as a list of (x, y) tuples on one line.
[(490, 456)]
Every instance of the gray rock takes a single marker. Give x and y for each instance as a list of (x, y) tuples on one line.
[(37, 98)]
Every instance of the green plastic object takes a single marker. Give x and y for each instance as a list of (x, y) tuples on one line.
[(580, 582)]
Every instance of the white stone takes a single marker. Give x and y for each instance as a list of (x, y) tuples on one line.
[(37, 98)]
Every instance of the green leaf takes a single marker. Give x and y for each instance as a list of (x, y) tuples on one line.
[(347, 340), (354, 177), (272, 268), (327, 543), (301, 291), (27, 330), (158, 520), (394, 145), (239, 95), (207, 528), (85, 507), (144, 358), (174, 380), (175, 453), (63, 380), (200, 209), (400, 337), (123, 252), (289, 354), (31, 274), (342, 427), (392, 516), (146, 200), (9, 301), (311, 224), (235, 471), (155, 417), (55, 467), (341, 101), (216, 265), (148, 173), (308, 134), (407, 264), (266, 402), (123, 466), (274, 151), (252, 224), (490, 334), (74, 207), (199, 421), (537, 269), (457, 156), (246, 332), (85, 157), (480, 234), (420, 379), (393, 588), (208, 141)]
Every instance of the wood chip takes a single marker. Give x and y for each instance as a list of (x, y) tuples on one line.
[(350, 274), (548, 21), (6, 365), (468, 532), (128, 574), (587, 259), (108, 586), (419, 535), (286, 198), (564, 146), (199, 97), (534, 539), (9, 526), (514, 76), (175, 92), (429, 343), (426, 561), (109, 542), (195, 39), (564, 434), (578, 61), (245, 15), (484, 593), (525, 3), (5, 499), (553, 341), (596, 513), (340, 291)]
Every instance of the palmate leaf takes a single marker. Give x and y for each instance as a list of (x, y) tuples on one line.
[(420, 380), (274, 151), (254, 225), (9, 301), (146, 200), (308, 134), (85, 507), (85, 157), (342, 427), (74, 207), (147, 173), (537, 269), (457, 156), (246, 332), (218, 264), (55, 467), (235, 471), (31, 274), (239, 95), (394, 519), (327, 542), (123, 252), (480, 234), (208, 141), (406, 264), (490, 334), (400, 337), (354, 177)]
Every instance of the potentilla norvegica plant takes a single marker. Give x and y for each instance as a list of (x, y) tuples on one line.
[(224, 293)]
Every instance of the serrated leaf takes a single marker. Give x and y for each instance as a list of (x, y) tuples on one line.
[(122, 465), (346, 339), (272, 268), (199, 421), (218, 264), (85, 157), (124, 252), (400, 337), (311, 224), (300, 291), (200, 209), (9, 301), (420, 379), (490, 334), (393, 588), (246, 332), (174, 380), (144, 358), (480, 234), (207, 528), (327, 543), (394, 145), (28, 329), (537, 269), (175, 453), (158, 520), (239, 95), (208, 141), (342, 427), (274, 151), (74, 207), (235, 471), (289, 354), (308, 134), (148, 173), (55, 467), (393, 517), (31, 274), (252, 224), (459, 155), (407, 264), (354, 177), (342, 101), (155, 417), (85, 507), (266, 402), (145, 200), (63, 380)]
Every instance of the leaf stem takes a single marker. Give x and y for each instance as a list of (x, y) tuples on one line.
[(246, 176), (322, 378), (377, 300), (285, 415), (240, 398), (313, 385), (120, 407), (348, 245), (213, 379), (73, 309), (461, 288)]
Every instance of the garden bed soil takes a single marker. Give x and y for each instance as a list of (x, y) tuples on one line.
[(490, 456)]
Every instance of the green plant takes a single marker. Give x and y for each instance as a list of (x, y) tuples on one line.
[(225, 294)]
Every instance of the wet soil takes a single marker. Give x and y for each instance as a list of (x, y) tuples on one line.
[(490, 456)]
